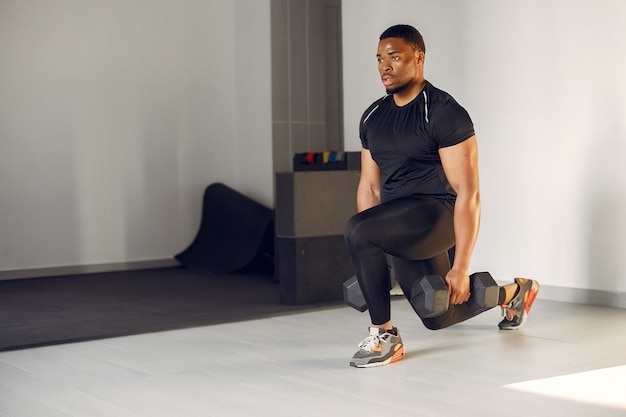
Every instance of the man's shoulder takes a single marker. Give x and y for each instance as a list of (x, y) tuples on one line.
[(438, 95), (379, 101), (374, 106), (435, 92)]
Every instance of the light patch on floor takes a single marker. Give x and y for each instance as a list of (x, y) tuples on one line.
[(600, 387)]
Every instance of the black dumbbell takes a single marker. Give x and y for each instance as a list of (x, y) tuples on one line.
[(430, 297), (484, 292), (353, 296)]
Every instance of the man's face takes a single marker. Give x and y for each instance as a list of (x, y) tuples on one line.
[(398, 64)]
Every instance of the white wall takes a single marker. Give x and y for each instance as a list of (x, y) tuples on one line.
[(544, 83), (114, 117)]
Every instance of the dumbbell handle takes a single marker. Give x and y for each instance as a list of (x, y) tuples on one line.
[(430, 296)]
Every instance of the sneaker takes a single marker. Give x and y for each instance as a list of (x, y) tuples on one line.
[(380, 348), (516, 311)]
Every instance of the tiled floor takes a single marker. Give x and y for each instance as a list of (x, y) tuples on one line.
[(569, 360)]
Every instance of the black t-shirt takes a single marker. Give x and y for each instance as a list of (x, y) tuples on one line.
[(404, 142)]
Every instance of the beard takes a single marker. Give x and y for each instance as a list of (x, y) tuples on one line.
[(397, 89)]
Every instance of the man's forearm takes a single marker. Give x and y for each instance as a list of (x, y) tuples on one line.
[(366, 198), (466, 225)]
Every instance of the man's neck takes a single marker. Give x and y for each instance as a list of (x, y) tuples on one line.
[(407, 95)]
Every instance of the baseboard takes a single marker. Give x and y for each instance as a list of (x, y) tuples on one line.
[(581, 296), (86, 269), (548, 292)]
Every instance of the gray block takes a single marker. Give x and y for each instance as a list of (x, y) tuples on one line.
[(318, 203), (313, 269)]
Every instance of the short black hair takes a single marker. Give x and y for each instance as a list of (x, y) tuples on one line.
[(406, 32)]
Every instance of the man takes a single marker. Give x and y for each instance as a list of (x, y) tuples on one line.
[(418, 197)]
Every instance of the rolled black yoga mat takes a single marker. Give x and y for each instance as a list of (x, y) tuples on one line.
[(235, 232)]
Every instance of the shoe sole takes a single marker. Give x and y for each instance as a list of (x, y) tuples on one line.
[(395, 358), (532, 296)]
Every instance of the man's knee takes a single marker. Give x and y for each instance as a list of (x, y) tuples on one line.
[(354, 231), (436, 323)]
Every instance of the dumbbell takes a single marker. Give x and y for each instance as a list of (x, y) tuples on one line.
[(430, 296), (353, 296)]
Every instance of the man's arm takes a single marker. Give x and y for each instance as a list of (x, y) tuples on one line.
[(368, 191), (460, 164)]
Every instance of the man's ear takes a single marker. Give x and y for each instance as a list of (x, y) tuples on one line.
[(419, 56)]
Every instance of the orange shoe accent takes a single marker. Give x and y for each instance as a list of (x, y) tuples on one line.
[(398, 355), (530, 299)]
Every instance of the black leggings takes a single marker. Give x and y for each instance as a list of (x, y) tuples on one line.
[(417, 233)]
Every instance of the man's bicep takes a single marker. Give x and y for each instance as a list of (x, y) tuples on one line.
[(370, 173), (460, 163), (368, 191)]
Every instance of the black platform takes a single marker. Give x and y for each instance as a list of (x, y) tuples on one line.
[(45, 311), (311, 212)]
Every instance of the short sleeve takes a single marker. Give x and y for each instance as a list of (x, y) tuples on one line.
[(451, 124), (367, 114)]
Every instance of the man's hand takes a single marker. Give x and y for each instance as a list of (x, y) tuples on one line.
[(458, 283)]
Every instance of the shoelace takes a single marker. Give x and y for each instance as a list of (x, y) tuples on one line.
[(513, 303), (371, 342), (506, 308), (510, 306)]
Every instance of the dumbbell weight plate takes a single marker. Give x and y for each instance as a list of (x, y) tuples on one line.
[(484, 292), (352, 294), (430, 296)]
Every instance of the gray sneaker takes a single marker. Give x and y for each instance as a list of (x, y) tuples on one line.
[(380, 348), (516, 312)]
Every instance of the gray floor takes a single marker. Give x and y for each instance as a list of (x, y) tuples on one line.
[(569, 360)]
